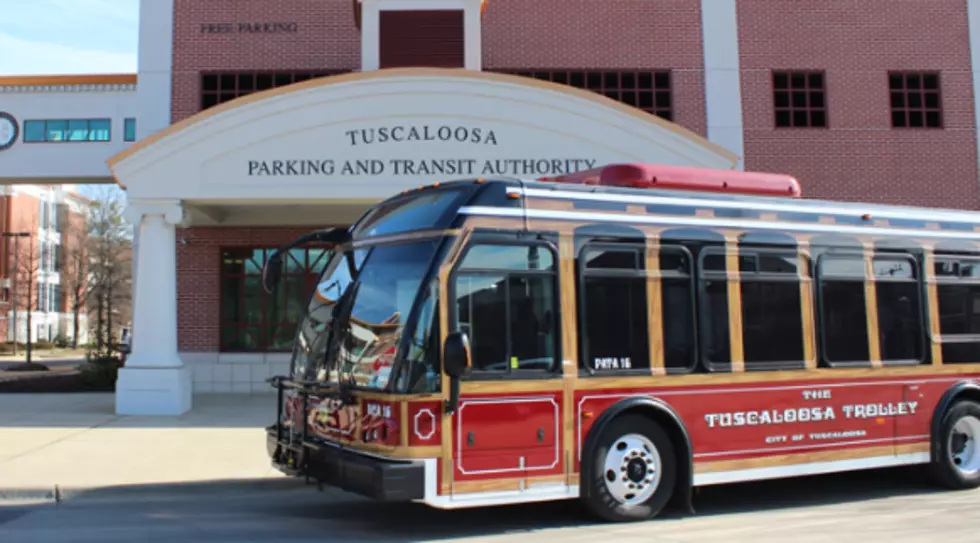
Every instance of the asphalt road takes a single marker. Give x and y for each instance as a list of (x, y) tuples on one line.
[(883, 506)]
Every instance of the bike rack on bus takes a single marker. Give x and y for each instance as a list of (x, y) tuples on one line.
[(297, 444)]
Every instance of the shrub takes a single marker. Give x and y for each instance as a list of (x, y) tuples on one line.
[(62, 342), (100, 370)]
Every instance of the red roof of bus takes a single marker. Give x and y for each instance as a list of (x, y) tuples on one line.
[(637, 175)]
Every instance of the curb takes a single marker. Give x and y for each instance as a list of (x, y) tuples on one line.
[(153, 491)]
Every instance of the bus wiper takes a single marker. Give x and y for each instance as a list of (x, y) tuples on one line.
[(272, 270)]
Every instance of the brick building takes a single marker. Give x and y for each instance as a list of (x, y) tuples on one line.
[(42, 229), (862, 100)]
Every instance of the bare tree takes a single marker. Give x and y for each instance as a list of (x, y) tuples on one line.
[(109, 253), (28, 266), (75, 277)]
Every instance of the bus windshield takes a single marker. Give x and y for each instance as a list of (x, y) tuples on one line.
[(364, 344)]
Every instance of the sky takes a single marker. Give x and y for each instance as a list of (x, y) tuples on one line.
[(40, 37)]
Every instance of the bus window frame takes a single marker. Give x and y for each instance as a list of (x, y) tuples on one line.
[(793, 254), (818, 278), (511, 238), (703, 275), (582, 272), (919, 280), (692, 281)]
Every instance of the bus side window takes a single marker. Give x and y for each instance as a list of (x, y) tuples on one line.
[(772, 315), (678, 318), (958, 288), (843, 317), (506, 302), (900, 322), (614, 316), (713, 322)]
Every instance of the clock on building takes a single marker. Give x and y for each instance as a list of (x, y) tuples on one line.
[(8, 130)]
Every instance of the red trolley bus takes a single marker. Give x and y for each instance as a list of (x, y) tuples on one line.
[(627, 334)]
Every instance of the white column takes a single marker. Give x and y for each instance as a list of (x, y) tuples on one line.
[(155, 381), (370, 36), (156, 28), (722, 86), (473, 37), (973, 18)]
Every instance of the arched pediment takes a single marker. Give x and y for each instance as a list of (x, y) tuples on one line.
[(372, 134)]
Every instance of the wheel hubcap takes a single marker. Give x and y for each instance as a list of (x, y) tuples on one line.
[(632, 469), (963, 446)]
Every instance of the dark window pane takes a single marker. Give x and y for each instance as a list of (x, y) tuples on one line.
[(772, 322), (915, 99), (896, 82), (800, 118), (898, 99), (816, 99), (662, 80), (799, 99), (577, 79), (843, 321), (628, 80), (916, 119), (663, 99), (616, 333), (913, 81), (209, 82), (930, 82), (899, 119), (644, 80), (783, 118), (934, 119), (798, 81), (780, 80), (816, 81), (782, 99), (899, 327), (227, 82), (818, 118), (714, 324), (932, 99)]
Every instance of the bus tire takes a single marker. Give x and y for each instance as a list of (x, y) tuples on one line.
[(632, 472), (957, 464)]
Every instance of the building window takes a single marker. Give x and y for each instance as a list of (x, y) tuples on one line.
[(254, 321), (915, 100), (220, 87), (129, 130), (649, 91), (800, 99), (67, 130)]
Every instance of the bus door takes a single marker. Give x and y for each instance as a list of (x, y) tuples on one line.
[(507, 430)]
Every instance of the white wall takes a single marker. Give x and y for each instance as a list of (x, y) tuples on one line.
[(64, 162)]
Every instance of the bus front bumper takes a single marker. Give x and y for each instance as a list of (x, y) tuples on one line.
[(349, 470)]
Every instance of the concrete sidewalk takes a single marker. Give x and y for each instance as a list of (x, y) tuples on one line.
[(58, 446)]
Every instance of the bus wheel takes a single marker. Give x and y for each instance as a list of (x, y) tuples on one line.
[(957, 466), (633, 471)]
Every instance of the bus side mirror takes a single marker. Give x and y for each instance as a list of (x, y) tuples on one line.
[(271, 272), (456, 354)]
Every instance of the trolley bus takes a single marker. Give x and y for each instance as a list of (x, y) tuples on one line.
[(626, 334)]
